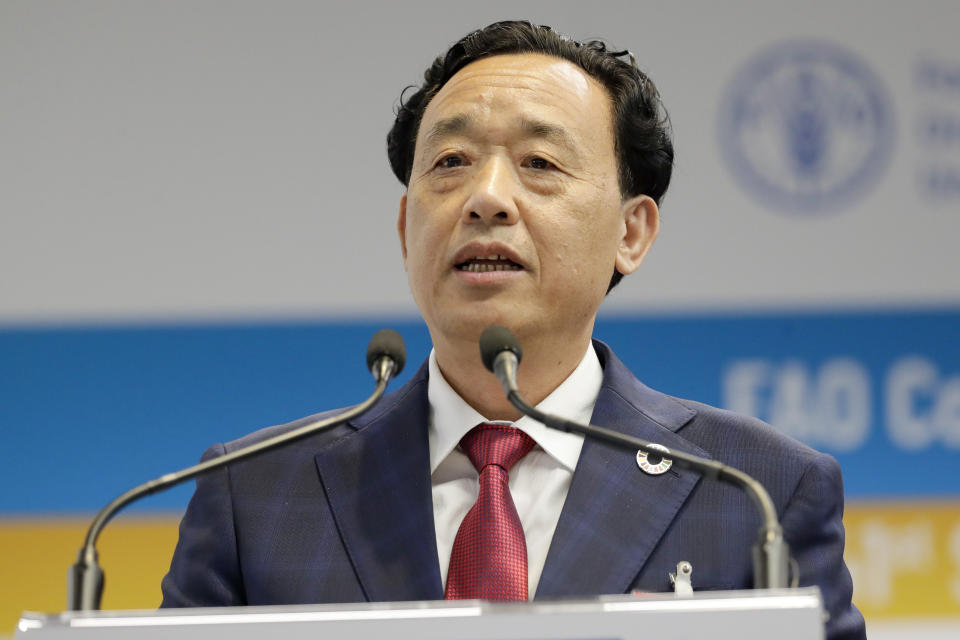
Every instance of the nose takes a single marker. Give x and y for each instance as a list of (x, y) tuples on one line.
[(492, 194)]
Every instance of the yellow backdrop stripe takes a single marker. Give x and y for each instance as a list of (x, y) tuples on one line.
[(913, 568)]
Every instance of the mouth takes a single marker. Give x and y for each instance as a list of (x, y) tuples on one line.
[(488, 263)]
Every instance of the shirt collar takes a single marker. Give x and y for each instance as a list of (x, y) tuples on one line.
[(451, 417)]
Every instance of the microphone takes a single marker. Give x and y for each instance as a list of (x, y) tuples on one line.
[(501, 354), (386, 356)]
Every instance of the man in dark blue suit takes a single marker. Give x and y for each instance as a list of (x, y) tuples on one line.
[(534, 168)]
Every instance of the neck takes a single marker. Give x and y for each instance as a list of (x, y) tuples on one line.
[(545, 365)]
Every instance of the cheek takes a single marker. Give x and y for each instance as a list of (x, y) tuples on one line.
[(584, 249), (418, 224), (591, 232), (426, 239)]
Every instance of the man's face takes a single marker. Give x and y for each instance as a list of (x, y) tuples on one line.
[(513, 212)]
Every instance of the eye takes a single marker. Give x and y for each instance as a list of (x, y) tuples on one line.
[(451, 161), (536, 162)]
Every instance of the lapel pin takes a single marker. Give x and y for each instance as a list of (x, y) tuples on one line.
[(652, 463), (682, 584)]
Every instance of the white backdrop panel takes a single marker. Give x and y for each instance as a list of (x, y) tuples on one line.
[(226, 159)]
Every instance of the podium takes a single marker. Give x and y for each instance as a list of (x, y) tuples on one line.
[(794, 614)]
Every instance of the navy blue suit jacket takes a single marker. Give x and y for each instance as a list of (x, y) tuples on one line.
[(347, 515)]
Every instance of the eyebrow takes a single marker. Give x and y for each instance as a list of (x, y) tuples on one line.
[(550, 132), (447, 127), (461, 124)]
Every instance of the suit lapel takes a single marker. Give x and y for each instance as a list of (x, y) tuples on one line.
[(615, 514), (377, 482)]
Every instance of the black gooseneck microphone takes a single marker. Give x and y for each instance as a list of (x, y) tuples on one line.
[(501, 354), (386, 356)]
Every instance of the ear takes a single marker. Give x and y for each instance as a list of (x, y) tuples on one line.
[(402, 227), (641, 218)]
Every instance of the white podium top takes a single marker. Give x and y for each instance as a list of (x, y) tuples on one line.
[(794, 614)]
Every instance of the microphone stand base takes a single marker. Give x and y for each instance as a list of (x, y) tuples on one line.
[(84, 585)]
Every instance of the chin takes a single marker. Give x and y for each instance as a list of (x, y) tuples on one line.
[(468, 324)]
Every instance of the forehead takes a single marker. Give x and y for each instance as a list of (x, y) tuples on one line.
[(528, 85)]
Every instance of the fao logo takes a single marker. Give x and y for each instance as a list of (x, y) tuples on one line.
[(806, 127)]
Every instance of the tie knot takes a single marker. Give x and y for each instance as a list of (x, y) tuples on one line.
[(497, 444)]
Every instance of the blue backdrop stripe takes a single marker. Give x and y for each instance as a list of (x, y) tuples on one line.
[(88, 412)]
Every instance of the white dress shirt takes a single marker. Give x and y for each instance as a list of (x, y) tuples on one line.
[(538, 482)]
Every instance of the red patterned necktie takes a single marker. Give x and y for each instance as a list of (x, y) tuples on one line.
[(489, 559)]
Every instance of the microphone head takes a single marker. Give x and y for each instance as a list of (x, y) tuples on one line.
[(496, 339), (386, 343)]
